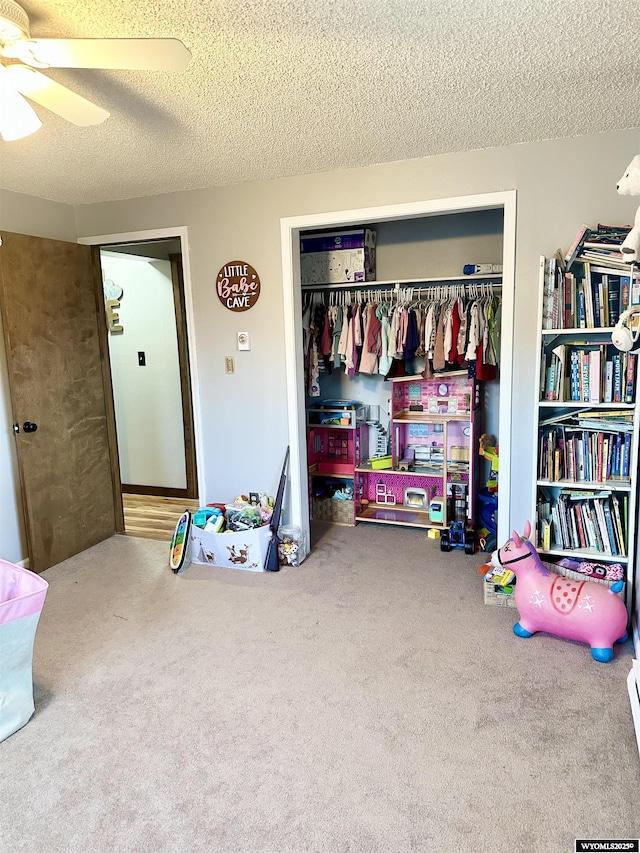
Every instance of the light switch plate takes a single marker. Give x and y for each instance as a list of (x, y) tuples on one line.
[(229, 364), (244, 342)]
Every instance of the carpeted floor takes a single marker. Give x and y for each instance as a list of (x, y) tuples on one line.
[(365, 702)]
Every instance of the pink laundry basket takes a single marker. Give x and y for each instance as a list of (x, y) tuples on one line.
[(22, 595)]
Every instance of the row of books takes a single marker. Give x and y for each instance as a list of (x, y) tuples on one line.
[(581, 520), (589, 297), (583, 455), (588, 372)]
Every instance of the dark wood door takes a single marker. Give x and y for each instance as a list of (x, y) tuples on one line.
[(52, 331)]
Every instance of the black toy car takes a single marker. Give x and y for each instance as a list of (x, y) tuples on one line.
[(457, 537)]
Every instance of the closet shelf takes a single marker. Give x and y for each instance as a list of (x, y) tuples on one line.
[(623, 485), (589, 553), (493, 278)]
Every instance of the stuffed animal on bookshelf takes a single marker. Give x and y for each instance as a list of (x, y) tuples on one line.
[(629, 184), (581, 610)]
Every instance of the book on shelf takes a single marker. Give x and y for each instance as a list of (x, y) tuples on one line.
[(609, 260), (551, 296), (630, 377), (603, 230), (581, 319), (574, 248), (620, 538), (613, 297), (545, 527), (595, 377), (608, 381), (588, 295), (608, 242), (569, 297), (626, 455), (625, 292), (606, 506), (617, 378)]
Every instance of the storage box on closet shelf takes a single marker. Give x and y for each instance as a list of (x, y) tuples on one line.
[(338, 257)]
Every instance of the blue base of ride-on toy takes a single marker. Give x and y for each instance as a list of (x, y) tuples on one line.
[(606, 655), (602, 655), (520, 631)]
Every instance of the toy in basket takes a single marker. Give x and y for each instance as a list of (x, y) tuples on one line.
[(575, 610)]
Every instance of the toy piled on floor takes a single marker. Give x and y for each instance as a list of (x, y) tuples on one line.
[(581, 610)]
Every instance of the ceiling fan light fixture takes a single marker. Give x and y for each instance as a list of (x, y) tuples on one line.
[(14, 22), (17, 117)]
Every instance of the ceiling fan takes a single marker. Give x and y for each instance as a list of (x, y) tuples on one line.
[(23, 58)]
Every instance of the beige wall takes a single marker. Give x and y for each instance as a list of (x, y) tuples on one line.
[(560, 184)]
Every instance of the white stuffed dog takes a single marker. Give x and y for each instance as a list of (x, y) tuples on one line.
[(629, 184)]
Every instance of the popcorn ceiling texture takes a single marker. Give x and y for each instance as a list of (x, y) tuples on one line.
[(286, 87)]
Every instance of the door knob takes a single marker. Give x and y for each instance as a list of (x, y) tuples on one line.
[(27, 426)]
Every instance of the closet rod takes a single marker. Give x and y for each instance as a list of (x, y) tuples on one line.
[(494, 279)]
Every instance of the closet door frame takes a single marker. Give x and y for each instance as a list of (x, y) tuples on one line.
[(290, 228)]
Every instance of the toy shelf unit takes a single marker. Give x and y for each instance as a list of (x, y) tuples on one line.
[(337, 442), (588, 422), (429, 478)]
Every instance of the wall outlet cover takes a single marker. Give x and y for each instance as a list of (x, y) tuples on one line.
[(244, 342)]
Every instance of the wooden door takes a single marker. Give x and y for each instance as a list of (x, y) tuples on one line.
[(52, 325)]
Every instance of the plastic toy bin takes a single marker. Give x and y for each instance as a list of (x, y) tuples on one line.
[(22, 595)]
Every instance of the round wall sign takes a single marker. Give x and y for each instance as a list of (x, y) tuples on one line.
[(238, 286)]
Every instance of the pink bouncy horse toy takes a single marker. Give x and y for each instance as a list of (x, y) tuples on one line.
[(574, 609)]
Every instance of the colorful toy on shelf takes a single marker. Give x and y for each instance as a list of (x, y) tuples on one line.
[(488, 496), (575, 610), (490, 452)]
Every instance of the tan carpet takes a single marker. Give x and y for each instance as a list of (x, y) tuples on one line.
[(367, 701)]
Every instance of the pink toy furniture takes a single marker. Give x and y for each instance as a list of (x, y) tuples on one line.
[(576, 610)]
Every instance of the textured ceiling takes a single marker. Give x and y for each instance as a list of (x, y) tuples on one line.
[(286, 87)]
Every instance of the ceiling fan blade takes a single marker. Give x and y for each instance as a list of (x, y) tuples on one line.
[(55, 97), (135, 54)]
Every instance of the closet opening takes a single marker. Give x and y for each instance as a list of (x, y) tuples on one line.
[(427, 416)]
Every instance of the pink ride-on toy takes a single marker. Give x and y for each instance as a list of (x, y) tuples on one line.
[(574, 609)]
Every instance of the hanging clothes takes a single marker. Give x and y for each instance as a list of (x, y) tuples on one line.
[(371, 342), (444, 329), (384, 361)]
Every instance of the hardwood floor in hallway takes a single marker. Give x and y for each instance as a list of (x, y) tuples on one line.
[(153, 517)]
